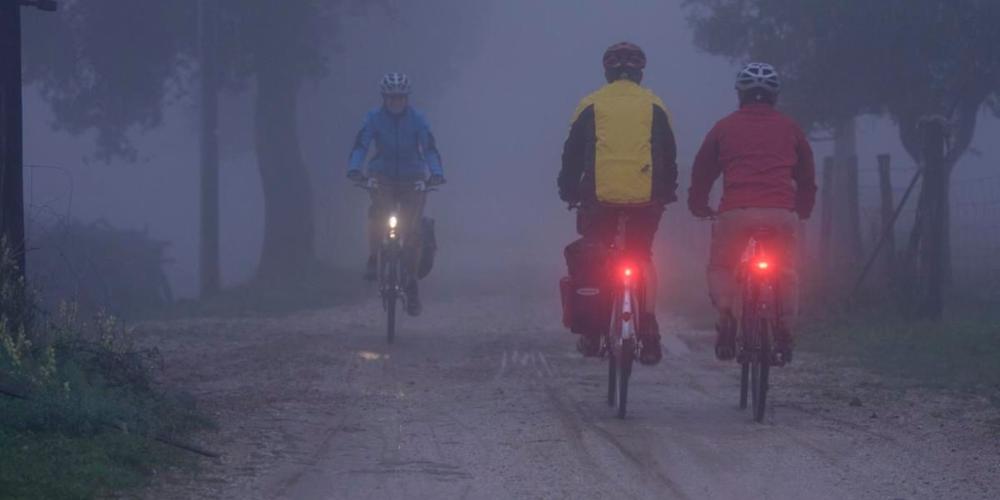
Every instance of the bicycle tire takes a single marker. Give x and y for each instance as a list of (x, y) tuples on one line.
[(624, 374), (760, 370), (614, 333), (744, 383), (612, 380), (390, 302)]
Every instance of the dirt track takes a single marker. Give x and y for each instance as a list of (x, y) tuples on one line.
[(486, 398)]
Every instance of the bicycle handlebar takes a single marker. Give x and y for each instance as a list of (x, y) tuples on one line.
[(369, 186)]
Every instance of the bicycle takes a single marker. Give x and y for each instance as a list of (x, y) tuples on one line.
[(620, 342), (391, 272), (761, 318)]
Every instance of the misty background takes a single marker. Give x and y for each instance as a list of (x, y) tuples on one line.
[(499, 100)]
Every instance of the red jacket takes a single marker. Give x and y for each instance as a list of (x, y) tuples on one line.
[(765, 161)]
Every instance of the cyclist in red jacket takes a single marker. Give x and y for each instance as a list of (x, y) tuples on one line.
[(768, 182)]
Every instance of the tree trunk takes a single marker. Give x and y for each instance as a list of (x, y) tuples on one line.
[(289, 233), (912, 134), (888, 209), (932, 255), (210, 275), (11, 147), (846, 224)]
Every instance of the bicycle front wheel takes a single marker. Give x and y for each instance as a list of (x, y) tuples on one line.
[(391, 297), (390, 313)]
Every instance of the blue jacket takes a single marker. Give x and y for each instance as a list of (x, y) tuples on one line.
[(404, 145)]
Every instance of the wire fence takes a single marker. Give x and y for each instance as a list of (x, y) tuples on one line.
[(974, 222)]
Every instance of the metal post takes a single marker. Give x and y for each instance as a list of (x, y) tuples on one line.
[(11, 175)]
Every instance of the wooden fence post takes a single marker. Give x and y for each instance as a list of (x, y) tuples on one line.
[(888, 209), (855, 249), (826, 220)]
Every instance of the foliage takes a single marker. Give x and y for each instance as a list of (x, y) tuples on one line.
[(907, 58), (80, 402), (98, 266)]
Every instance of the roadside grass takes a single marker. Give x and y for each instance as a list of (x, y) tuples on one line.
[(79, 403), (961, 352), (47, 464)]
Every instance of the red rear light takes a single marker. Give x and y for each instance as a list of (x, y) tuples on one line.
[(628, 272), (763, 265)]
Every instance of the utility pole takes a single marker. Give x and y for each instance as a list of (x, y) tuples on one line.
[(11, 132), (208, 56)]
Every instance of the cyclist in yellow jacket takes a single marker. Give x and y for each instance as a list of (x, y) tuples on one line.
[(621, 153)]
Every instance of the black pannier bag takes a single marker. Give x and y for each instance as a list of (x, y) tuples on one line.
[(586, 298)]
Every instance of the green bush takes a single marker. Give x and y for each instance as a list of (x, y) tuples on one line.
[(80, 403)]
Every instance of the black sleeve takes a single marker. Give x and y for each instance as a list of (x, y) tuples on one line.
[(574, 156), (665, 158)]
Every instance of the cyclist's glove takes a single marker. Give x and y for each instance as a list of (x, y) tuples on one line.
[(569, 197), (355, 176), (703, 212), (435, 180)]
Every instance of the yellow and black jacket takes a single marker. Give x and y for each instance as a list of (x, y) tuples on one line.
[(620, 150)]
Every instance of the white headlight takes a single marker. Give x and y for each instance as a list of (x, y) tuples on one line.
[(393, 222)]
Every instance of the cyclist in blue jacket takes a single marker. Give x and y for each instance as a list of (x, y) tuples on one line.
[(406, 160)]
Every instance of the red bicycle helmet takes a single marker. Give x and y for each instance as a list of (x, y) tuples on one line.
[(624, 55)]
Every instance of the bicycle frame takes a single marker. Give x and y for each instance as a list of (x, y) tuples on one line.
[(389, 257), (393, 273), (761, 298)]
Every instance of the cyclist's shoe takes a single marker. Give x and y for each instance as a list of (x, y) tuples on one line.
[(650, 351), (784, 344), (370, 269), (725, 340), (589, 345), (413, 307)]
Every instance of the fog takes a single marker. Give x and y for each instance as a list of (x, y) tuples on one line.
[(500, 113)]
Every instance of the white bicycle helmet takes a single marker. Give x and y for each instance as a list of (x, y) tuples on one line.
[(395, 84), (758, 76)]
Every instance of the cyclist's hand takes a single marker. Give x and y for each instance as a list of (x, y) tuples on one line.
[(420, 186), (371, 183), (436, 180), (570, 198), (356, 176), (703, 212)]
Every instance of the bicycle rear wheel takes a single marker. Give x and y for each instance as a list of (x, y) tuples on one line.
[(744, 383), (760, 367), (612, 379), (624, 373)]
